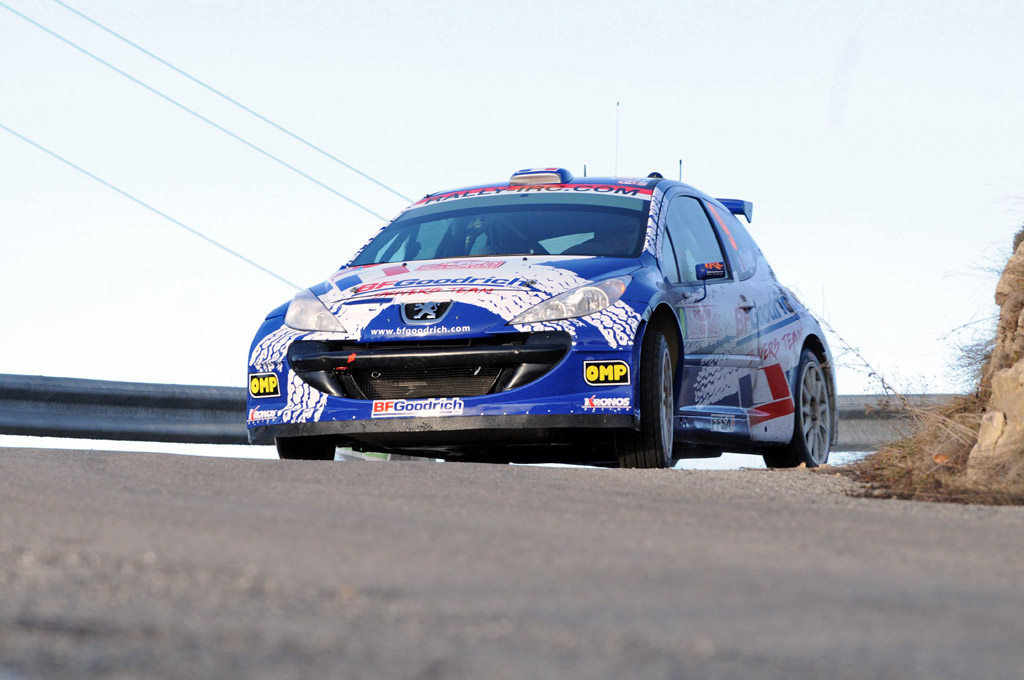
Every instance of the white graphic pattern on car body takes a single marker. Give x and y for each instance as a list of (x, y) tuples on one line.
[(652, 240), (618, 323), (269, 353), (305, 404)]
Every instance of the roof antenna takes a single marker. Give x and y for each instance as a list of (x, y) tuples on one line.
[(680, 169), (616, 173), (584, 169)]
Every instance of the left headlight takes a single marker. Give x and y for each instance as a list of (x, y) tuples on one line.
[(307, 313), (581, 301)]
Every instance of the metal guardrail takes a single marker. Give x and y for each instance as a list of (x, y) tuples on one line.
[(196, 414), (105, 409), (866, 421)]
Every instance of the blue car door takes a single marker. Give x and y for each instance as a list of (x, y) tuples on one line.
[(718, 318), (772, 320)]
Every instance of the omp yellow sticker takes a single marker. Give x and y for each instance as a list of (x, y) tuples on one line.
[(606, 372), (264, 385)]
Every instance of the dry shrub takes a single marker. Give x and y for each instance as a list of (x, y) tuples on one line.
[(929, 464), (972, 356)]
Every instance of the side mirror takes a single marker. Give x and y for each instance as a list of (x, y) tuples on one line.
[(710, 270)]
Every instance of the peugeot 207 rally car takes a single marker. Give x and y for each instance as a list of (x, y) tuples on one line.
[(550, 318)]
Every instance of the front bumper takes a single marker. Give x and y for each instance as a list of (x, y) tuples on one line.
[(568, 381), (536, 427), (514, 438), (516, 415)]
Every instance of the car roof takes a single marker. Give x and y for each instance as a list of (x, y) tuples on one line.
[(648, 183)]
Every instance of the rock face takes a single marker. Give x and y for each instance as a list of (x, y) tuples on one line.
[(1000, 447)]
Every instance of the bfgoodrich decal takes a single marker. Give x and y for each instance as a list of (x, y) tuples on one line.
[(493, 281), (404, 408)]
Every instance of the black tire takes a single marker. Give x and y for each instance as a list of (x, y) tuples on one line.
[(812, 420), (305, 448), (651, 445)]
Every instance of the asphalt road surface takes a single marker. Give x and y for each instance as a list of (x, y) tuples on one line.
[(134, 565)]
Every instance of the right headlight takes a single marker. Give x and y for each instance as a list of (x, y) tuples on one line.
[(581, 301), (307, 313)]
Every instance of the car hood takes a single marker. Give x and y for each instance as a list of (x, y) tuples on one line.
[(483, 292)]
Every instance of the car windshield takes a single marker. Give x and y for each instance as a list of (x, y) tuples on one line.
[(541, 225)]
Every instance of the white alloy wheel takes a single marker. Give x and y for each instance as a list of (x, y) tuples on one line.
[(815, 413), (666, 403)]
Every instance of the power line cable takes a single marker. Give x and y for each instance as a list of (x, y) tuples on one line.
[(237, 103), (194, 113), (149, 207)]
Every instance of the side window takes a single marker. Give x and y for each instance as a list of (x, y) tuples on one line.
[(742, 249), (692, 236), (668, 259)]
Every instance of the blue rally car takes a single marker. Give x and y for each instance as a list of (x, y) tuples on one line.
[(550, 318)]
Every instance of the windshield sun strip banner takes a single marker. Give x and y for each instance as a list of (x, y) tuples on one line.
[(625, 191)]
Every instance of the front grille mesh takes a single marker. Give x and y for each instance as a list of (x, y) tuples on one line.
[(440, 378), (422, 383)]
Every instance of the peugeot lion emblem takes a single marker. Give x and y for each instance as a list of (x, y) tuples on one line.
[(424, 312)]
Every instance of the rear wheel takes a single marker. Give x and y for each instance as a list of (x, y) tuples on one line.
[(305, 448), (812, 421), (651, 445)]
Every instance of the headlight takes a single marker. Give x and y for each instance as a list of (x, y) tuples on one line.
[(307, 313), (581, 301)]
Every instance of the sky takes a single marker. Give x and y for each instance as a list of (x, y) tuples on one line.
[(881, 144)]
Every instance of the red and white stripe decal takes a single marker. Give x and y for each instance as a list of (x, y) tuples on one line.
[(782, 400)]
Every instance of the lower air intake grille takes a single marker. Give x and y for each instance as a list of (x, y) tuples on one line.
[(463, 381), (422, 369)]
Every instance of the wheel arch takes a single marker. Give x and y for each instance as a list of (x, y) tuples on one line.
[(663, 318)]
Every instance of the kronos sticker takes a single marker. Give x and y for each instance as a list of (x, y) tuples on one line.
[(596, 402)]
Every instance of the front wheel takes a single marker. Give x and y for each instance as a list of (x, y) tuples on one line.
[(651, 445), (812, 421), (305, 448)]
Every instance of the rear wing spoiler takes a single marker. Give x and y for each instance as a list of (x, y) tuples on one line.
[(738, 207)]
